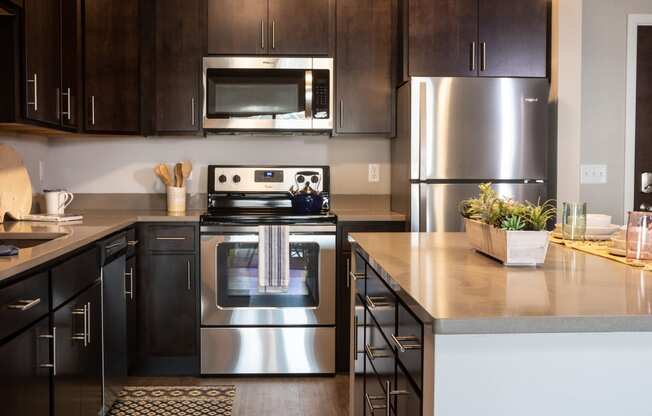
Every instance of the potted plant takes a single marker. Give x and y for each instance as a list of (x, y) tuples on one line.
[(510, 231)]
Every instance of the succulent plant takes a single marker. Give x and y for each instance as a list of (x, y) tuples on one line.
[(513, 223)]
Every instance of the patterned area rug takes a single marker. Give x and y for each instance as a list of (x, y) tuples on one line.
[(175, 401)]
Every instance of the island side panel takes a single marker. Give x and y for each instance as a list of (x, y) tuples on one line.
[(601, 374)]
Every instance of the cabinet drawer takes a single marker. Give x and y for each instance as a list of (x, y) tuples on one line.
[(378, 350), (407, 398), (171, 237), (381, 303), (375, 397), (23, 303), (74, 275), (408, 340)]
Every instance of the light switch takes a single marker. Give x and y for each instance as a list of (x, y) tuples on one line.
[(593, 174)]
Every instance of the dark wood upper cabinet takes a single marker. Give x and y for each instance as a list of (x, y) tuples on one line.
[(513, 38), (42, 61), (111, 57), (366, 45), (177, 65), (237, 27), (443, 35), (71, 63), (299, 27)]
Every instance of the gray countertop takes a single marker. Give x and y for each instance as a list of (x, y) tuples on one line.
[(464, 292), (94, 226)]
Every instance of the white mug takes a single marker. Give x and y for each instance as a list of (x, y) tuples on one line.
[(57, 201)]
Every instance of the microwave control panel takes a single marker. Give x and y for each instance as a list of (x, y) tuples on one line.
[(321, 94)]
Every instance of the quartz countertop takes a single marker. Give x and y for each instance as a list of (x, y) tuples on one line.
[(353, 215), (443, 279), (94, 226)]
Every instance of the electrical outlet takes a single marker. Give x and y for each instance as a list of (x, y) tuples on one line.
[(374, 172), (593, 174)]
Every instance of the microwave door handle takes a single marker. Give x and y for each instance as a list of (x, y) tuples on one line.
[(309, 95)]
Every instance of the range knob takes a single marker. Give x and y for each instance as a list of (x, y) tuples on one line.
[(301, 179), (222, 179), (314, 179), (236, 178)]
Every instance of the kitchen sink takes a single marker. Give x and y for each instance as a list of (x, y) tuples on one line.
[(28, 239)]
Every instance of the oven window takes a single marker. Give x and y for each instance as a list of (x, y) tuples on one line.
[(238, 283), (255, 93)]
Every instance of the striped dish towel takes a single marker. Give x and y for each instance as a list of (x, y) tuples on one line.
[(274, 257)]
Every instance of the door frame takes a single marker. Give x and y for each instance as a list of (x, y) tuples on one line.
[(634, 21)]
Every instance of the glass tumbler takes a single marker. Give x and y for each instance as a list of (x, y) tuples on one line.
[(573, 223), (639, 236)]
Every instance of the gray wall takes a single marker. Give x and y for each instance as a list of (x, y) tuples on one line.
[(124, 164), (604, 63), (32, 149)]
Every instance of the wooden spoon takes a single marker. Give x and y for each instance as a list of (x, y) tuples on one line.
[(186, 169), (178, 176), (163, 172)]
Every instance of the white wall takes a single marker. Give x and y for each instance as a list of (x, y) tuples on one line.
[(32, 149), (604, 66), (124, 164)]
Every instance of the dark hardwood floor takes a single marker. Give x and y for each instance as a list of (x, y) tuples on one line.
[(274, 396)]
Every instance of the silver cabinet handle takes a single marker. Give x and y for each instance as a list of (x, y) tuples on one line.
[(355, 337), (68, 112), (34, 81), (473, 53), (273, 34), (374, 353), (373, 407), (341, 113), (88, 323), (192, 110), (348, 272), (114, 245), (81, 336), (189, 280), (483, 53), (25, 305), (92, 110), (405, 347), (262, 34), (132, 243), (374, 302), (53, 337), (171, 238), (58, 92), (130, 291)]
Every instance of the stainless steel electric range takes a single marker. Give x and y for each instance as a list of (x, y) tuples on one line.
[(247, 328)]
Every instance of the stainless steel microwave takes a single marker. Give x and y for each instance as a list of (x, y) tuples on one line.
[(267, 93)]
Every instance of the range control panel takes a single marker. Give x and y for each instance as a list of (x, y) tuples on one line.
[(232, 179)]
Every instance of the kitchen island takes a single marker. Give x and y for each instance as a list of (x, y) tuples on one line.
[(570, 337)]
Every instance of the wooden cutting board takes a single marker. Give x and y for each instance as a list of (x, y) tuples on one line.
[(15, 185)]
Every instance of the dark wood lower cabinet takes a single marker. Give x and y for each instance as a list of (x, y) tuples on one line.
[(77, 382), (24, 382)]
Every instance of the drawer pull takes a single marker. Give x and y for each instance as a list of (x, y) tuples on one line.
[(130, 292), (132, 243), (82, 336), (374, 302), (53, 337), (171, 238), (374, 407), (114, 245), (25, 305), (374, 353), (405, 347)]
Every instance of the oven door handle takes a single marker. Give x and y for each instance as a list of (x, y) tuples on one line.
[(309, 94)]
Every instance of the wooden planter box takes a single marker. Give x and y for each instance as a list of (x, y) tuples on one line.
[(512, 248)]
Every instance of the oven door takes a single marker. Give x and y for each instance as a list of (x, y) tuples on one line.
[(231, 295)]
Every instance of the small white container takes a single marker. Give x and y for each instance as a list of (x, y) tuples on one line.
[(176, 199)]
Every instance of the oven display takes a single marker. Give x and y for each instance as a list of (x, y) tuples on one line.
[(273, 176)]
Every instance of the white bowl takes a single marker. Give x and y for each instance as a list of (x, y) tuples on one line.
[(598, 220)]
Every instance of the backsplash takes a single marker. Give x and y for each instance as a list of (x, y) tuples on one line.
[(124, 165)]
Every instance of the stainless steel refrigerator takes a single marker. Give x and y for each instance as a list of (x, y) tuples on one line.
[(455, 133)]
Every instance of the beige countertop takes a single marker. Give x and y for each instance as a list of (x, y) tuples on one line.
[(445, 280), (94, 226), (353, 215)]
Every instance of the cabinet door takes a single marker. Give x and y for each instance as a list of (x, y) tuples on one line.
[(42, 60), (77, 384), (299, 27), (513, 38), (365, 76), (132, 313), (24, 381), (171, 321), (112, 66), (71, 57), (237, 27), (443, 38), (178, 54)]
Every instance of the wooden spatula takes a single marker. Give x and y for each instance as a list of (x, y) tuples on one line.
[(162, 171), (178, 176), (186, 169)]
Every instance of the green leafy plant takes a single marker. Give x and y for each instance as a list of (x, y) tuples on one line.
[(513, 223), (507, 214)]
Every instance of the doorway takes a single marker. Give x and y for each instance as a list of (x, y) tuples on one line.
[(643, 130)]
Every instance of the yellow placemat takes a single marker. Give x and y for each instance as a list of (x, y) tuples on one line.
[(601, 249)]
